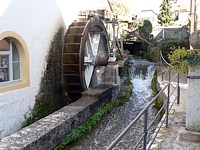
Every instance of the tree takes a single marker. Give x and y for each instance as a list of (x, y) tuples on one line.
[(146, 29), (165, 15), (120, 8)]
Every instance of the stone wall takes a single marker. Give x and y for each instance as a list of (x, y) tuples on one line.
[(49, 131), (171, 32)]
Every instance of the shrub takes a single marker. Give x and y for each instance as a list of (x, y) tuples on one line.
[(178, 59), (167, 46)]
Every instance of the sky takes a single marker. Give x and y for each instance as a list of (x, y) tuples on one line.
[(137, 5)]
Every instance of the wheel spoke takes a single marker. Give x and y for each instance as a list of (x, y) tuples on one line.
[(94, 40), (88, 74), (91, 50)]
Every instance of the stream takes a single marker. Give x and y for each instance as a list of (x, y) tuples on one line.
[(141, 73)]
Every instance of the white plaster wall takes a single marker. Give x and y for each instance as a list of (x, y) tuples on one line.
[(193, 102), (36, 21)]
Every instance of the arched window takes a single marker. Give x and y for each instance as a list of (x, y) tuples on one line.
[(14, 62), (9, 61)]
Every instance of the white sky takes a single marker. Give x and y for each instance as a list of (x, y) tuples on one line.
[(137, 5)]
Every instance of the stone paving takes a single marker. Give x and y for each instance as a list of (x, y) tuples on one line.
[(175, 137)]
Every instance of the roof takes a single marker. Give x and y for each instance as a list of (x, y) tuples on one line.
[(146, 10)]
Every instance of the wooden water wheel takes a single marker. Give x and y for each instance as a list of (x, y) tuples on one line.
[(84, 56)]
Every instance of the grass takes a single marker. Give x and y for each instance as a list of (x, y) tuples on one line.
[(97, 116)]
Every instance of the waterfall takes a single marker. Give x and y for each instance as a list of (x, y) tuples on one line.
[(141, 73)]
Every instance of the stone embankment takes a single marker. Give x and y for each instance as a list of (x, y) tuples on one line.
[(49, 131)]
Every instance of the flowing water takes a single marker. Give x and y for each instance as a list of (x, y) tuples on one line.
[(102, 135)]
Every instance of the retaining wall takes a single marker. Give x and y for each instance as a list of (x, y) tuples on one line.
[(49, 131)]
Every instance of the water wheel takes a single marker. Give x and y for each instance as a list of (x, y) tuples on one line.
[(84, 56)]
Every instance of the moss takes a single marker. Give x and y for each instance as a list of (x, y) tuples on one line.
[(152, 54), (159, 101), (98, 115), (50, 96), (154, 84), (126, 73), (93, 120)]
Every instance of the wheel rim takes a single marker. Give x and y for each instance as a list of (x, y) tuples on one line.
[(85, 41)]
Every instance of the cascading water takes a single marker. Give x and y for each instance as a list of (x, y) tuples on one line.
[(141, 73)]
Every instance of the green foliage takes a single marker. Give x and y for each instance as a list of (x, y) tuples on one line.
[(167, 46), (135, 24), (126, 73), (194, 57), (146, 29), (165, 15), (178, 60), (188, 26), (120, 8), (152, 54)]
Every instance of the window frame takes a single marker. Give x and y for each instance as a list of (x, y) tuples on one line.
[(24, 67), (10, 62)]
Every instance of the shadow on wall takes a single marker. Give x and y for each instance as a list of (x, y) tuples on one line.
[(50, 97)]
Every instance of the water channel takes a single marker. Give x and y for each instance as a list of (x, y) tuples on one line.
[(141, 73)]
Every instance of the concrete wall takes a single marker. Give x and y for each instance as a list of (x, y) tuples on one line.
[(170, 32), (193, 102)]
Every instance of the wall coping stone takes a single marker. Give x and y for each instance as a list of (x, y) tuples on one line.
[(47, 132)]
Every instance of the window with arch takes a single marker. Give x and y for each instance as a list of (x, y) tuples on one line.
[(9, 61), (14, 62)]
